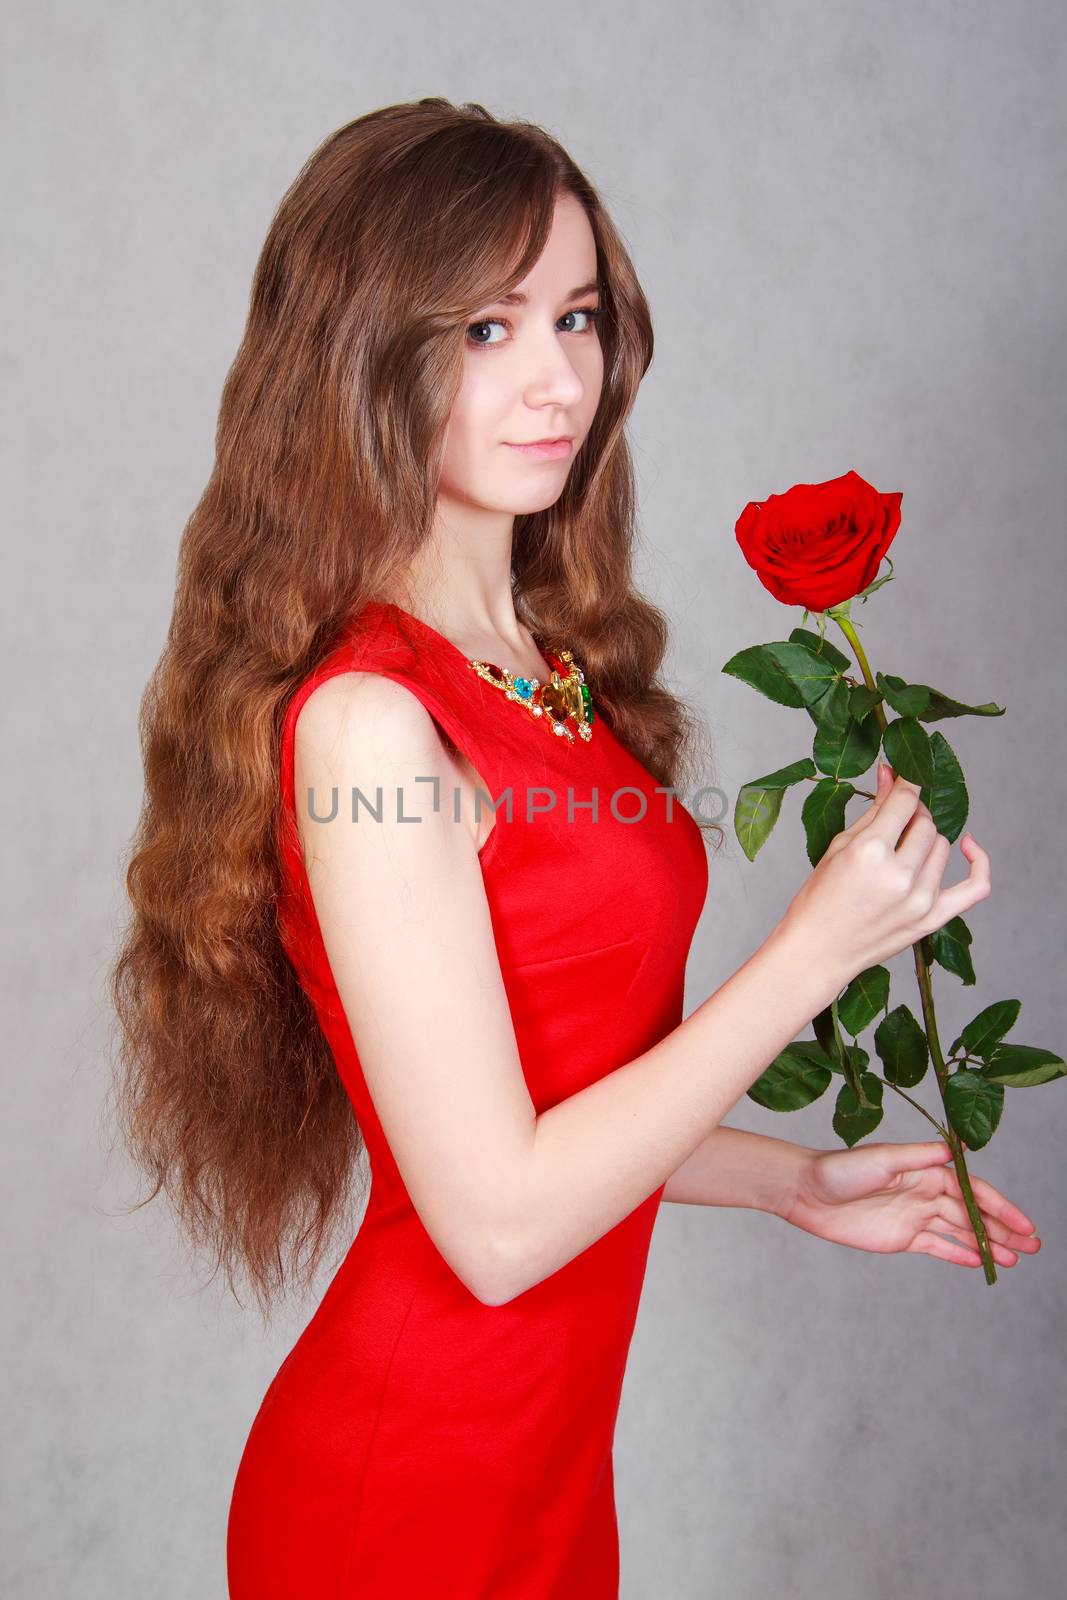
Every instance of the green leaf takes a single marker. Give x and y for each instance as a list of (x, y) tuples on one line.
[(761, 670), (847, 1060), (919, 700), (851, 1120), (902, 1048), (831, 714), (974, 1106), (794, 1079), (986, 1030), (866, 995), (812, 1049), (907, 749), (862, 701), (755, 814), (946, 795), (941, 706), (823, 1026), (906, 699), (823, 815), (1021, 1066), (858, 1058), (820, 647), (811, 676), (951, 946), (760, 802), (784, 777), (847, 753)]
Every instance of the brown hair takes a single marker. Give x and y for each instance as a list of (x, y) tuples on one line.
[(396, 230)]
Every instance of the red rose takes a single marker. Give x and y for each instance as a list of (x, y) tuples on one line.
[(819, 543)]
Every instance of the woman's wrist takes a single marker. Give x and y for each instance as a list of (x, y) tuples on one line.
[(786, 1165), (736, 1167), (819, 975)]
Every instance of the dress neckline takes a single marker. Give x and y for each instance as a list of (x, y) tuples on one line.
[(451, 649)]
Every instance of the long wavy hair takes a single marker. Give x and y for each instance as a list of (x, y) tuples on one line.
[(330, 431)]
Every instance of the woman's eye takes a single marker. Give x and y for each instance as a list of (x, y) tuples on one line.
[(476, 327), (591, 313)]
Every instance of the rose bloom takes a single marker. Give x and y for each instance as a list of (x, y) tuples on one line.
[(819, 544)]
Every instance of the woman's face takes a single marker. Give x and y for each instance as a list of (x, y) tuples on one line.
[(531, 371)]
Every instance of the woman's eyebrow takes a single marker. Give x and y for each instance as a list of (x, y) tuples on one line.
[(518, 299)]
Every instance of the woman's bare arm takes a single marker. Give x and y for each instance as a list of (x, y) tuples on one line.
[(737, 1167), (507, 1196), (603, 1150)]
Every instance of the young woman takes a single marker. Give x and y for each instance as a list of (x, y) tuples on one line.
[(394, 607)]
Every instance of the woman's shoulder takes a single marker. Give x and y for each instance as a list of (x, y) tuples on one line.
[(357, 706)]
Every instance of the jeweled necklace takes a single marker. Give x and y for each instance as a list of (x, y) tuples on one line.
[(564, 703)]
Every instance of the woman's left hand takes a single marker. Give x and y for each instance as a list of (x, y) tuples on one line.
[(886, 1197)]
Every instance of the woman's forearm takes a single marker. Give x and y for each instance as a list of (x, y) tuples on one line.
[(732, 1167), (597, 1154)]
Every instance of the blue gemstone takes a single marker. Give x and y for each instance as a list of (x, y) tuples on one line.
[(523, 688)]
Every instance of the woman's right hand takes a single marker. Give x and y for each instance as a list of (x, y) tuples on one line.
[(877, 889)]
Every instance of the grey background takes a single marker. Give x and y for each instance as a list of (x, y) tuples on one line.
[(849, 220)]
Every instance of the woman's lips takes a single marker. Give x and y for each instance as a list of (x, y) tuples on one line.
[(545, 452)]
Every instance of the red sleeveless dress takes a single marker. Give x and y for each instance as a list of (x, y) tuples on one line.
[(416, 1442)]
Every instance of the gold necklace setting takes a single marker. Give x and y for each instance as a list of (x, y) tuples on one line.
[(564, 704)]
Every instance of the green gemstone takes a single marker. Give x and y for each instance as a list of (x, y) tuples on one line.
[(587, 701)]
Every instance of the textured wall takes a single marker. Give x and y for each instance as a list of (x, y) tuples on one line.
[(849, 220)]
